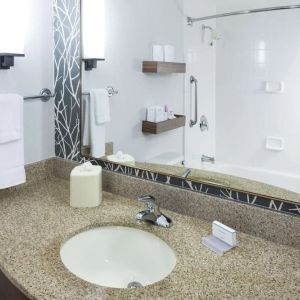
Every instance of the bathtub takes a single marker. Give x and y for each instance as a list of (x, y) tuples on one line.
[(283, 180)]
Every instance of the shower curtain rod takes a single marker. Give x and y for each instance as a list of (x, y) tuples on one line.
[(241, 12)]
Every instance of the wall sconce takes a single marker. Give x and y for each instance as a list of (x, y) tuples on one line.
[(93, 32), (12, 31)]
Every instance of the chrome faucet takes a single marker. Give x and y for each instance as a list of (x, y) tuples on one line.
[(152, 214), (186, 173), (210, 159)]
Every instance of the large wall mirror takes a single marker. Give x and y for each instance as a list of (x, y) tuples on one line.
[(214, 100)]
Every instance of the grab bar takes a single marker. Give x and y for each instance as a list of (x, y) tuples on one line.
[(194, 81), (45, 95)]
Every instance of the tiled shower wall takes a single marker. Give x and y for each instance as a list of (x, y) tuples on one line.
[(200, 59), (255, 49)]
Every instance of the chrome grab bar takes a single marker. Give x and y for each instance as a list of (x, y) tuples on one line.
[(194, 81), (45, 95)]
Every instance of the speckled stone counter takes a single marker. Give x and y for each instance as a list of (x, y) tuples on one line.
[(37, 218)]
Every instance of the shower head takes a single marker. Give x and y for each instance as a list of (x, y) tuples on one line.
[(214, 35)]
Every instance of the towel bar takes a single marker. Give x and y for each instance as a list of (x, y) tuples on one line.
[(110, 90), (45, 95)]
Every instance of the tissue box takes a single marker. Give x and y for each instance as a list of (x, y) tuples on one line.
[(86, 186)]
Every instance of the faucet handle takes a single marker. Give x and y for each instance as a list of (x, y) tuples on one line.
[(146, 198), (149, 200)]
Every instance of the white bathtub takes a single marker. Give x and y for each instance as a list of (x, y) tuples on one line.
[(286, 181)]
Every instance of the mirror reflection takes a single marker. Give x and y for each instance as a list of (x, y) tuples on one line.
[(213, 99)]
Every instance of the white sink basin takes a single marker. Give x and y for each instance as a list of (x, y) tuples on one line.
[(118, 256)]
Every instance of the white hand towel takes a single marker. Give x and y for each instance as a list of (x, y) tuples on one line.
[(99, 116), (86, 132), (10, 120), (12, 171), (102, 110)]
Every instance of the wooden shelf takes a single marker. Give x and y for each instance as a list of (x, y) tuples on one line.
[(157, 128), (163, 67)]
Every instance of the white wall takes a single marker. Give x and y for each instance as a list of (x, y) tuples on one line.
[(200, 58), (254, 49), (132, 27), (29, 76)]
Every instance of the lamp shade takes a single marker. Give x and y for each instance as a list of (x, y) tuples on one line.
[(93, 29), (12, 26)]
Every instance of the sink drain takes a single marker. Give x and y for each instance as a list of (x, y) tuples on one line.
[(134, 285)]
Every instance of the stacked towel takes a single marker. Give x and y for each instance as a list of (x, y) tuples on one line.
[(102, 110), (12, 171)]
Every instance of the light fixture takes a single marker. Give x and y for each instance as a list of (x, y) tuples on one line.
[(93, 32), (12, 31)]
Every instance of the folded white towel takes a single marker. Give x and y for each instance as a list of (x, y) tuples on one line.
[(10, 117), (12, 171), (99, 115), (102, 110), (86, 124)]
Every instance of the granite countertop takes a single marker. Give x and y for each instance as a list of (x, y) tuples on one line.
[(37, 218)]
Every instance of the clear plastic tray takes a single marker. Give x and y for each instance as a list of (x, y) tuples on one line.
[(216, 245)]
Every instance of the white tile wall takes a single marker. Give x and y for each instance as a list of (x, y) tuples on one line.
[(200, 58), (254, 49)]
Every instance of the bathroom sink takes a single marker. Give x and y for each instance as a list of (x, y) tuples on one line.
[(118, 257)]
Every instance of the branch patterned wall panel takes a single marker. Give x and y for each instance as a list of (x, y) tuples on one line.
[(67, 78)]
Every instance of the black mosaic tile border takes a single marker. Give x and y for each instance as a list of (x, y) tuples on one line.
[(204, 188)]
